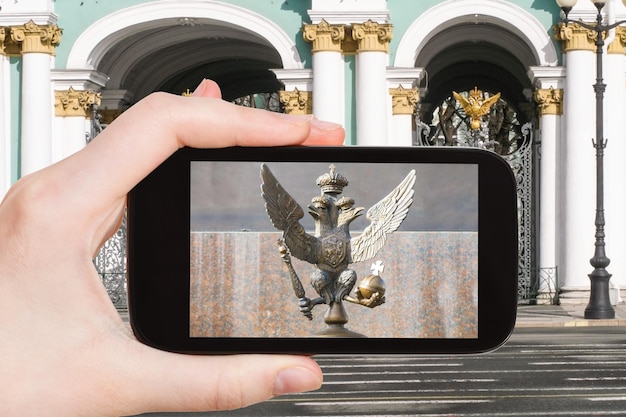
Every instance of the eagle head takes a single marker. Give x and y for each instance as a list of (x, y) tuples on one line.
[(347, 211)]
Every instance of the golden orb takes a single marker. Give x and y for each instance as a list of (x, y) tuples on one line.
[(370, 285)]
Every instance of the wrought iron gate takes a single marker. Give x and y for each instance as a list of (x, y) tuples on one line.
[(500, 132), (111, 266)]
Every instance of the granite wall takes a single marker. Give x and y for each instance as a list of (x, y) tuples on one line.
[(241, 288)]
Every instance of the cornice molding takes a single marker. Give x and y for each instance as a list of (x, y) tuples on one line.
[(78, 79), (335, 17), (302, 79), (16, 19)]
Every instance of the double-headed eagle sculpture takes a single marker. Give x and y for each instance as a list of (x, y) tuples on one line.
[(331, 248), (475, 106)]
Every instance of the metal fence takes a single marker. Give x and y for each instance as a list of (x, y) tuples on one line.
[(542, 287), (111, 266)]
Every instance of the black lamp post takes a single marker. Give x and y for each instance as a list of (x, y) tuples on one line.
[(599, 306)]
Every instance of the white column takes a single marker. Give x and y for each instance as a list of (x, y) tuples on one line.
[(371, 98), (403, 102), (328, 70), (550, 110), (550, 127), (578, 187), (71, 136), (614, 70), (37, 47), (5, 120), (549, 98), (329, 87), (401, 134), (75, 91), (36, 128), (403, 98), (371, 82)]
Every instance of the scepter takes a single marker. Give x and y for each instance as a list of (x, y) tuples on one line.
[(298, 289)]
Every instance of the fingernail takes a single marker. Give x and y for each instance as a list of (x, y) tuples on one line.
[(294, 380), (323, 125), (199, 88)]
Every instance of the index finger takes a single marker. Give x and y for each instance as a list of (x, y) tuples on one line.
[(154, 128)]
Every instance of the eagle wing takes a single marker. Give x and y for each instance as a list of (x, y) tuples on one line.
[(285, 214), (486, 105), (465, 104), (385, 217)]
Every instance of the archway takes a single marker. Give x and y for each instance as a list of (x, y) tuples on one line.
[(490, 45), (172, 45)]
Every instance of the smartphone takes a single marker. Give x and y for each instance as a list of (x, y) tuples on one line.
[(319, 250)]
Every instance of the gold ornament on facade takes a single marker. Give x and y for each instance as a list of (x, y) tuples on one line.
[(403, 100), (3, 35), (34, 38), (107, 116), (574, 37), (372, 36), (549, 101), (75, 103), (349, 44), (619, 43), (475, 106), (296, 101), (324, 36)]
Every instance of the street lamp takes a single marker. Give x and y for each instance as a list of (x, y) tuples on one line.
[(599, 306)]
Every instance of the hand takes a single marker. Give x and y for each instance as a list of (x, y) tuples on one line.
[(64, 350), (374, 301)]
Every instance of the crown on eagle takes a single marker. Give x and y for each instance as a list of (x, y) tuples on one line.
[(332, 182)]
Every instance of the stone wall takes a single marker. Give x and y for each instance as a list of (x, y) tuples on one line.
[(241, 288)]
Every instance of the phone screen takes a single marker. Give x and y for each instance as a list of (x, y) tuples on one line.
[(427, 269)]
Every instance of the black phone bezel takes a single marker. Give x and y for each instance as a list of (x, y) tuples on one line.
[(159, 257)]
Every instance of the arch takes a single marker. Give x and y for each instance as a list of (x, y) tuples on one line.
[(98, 38), (450, 13)]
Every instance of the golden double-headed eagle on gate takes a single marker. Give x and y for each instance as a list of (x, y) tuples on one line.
[(475, 106)]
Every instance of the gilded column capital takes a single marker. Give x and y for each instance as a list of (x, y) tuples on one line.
[(403, 100), (75, 103), (574, 37), (549, 101), (107, 116), (372, 36), (324, 36), (619, 43), (296, 101), (3, 37), (34, 38)]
